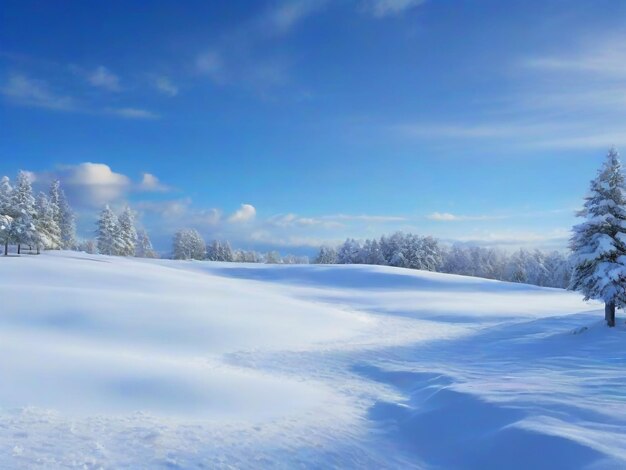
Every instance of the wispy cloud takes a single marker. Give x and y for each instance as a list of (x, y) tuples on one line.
[(331, 221), (283, 17), (367, 218), (384, 8), (210, 63), (448, 217), (554, 239), (132, 113), (573, 99), (102, 77), (293, 220), (245, 56), (36, 93), (266, 237), (165, 86), (604, 55), (151, 183), (22, 90)]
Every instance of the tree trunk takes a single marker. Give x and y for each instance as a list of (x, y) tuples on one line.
[(6, 248), (19, 249), (609, 313)]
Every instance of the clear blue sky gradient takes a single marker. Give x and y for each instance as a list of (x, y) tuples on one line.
[(469, 120)]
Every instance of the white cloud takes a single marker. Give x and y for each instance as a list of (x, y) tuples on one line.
[(36, 93), (366, 218), (103, 78), (149, 182), (293, 220), (383, 8), (165, 86), (132, 113), (283, 17), (93, 184), (448, 217), (245, 213), (443, 216)]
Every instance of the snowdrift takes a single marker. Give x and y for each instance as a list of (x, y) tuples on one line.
[(120, 362)]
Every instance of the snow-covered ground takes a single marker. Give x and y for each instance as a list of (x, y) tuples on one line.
[(112, 362)]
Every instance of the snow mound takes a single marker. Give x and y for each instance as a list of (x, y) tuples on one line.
[(120, 362)]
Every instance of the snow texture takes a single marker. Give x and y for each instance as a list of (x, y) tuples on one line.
[(111, 362)]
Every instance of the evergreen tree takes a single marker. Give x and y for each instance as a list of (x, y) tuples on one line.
[(127, 233), (6, 222), (273, 257), (48, 231), (6, 213), (326, 255), (108, 233), (5, 195), (349, 252), (188, 244), (63, 215), (599, 243), (226, 252), (213, 251), (144, 246), (23, 206)]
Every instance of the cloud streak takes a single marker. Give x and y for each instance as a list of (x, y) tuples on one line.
[(25, 91), (102, 77), (386, 8)]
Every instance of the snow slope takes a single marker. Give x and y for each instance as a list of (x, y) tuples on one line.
[(112, 362)]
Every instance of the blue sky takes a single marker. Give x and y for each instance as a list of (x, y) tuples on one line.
[(291, 123)]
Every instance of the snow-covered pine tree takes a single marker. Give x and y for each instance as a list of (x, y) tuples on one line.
[(5, 195), (54, 197), (599, 243), (63, 215), (188, 244), (273, 257), (213, 251), (23, 204), (127, 233), (6, 213), (88, 246), (144, 246), (6, 222), (48, 231), (226, 252), (108, 233), (349, 252), (326, 255)]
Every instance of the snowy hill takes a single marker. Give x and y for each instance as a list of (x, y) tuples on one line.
[(118, 362)]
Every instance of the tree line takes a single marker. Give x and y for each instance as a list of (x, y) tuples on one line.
[(407, 250), (43, 222), (189, 244)]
